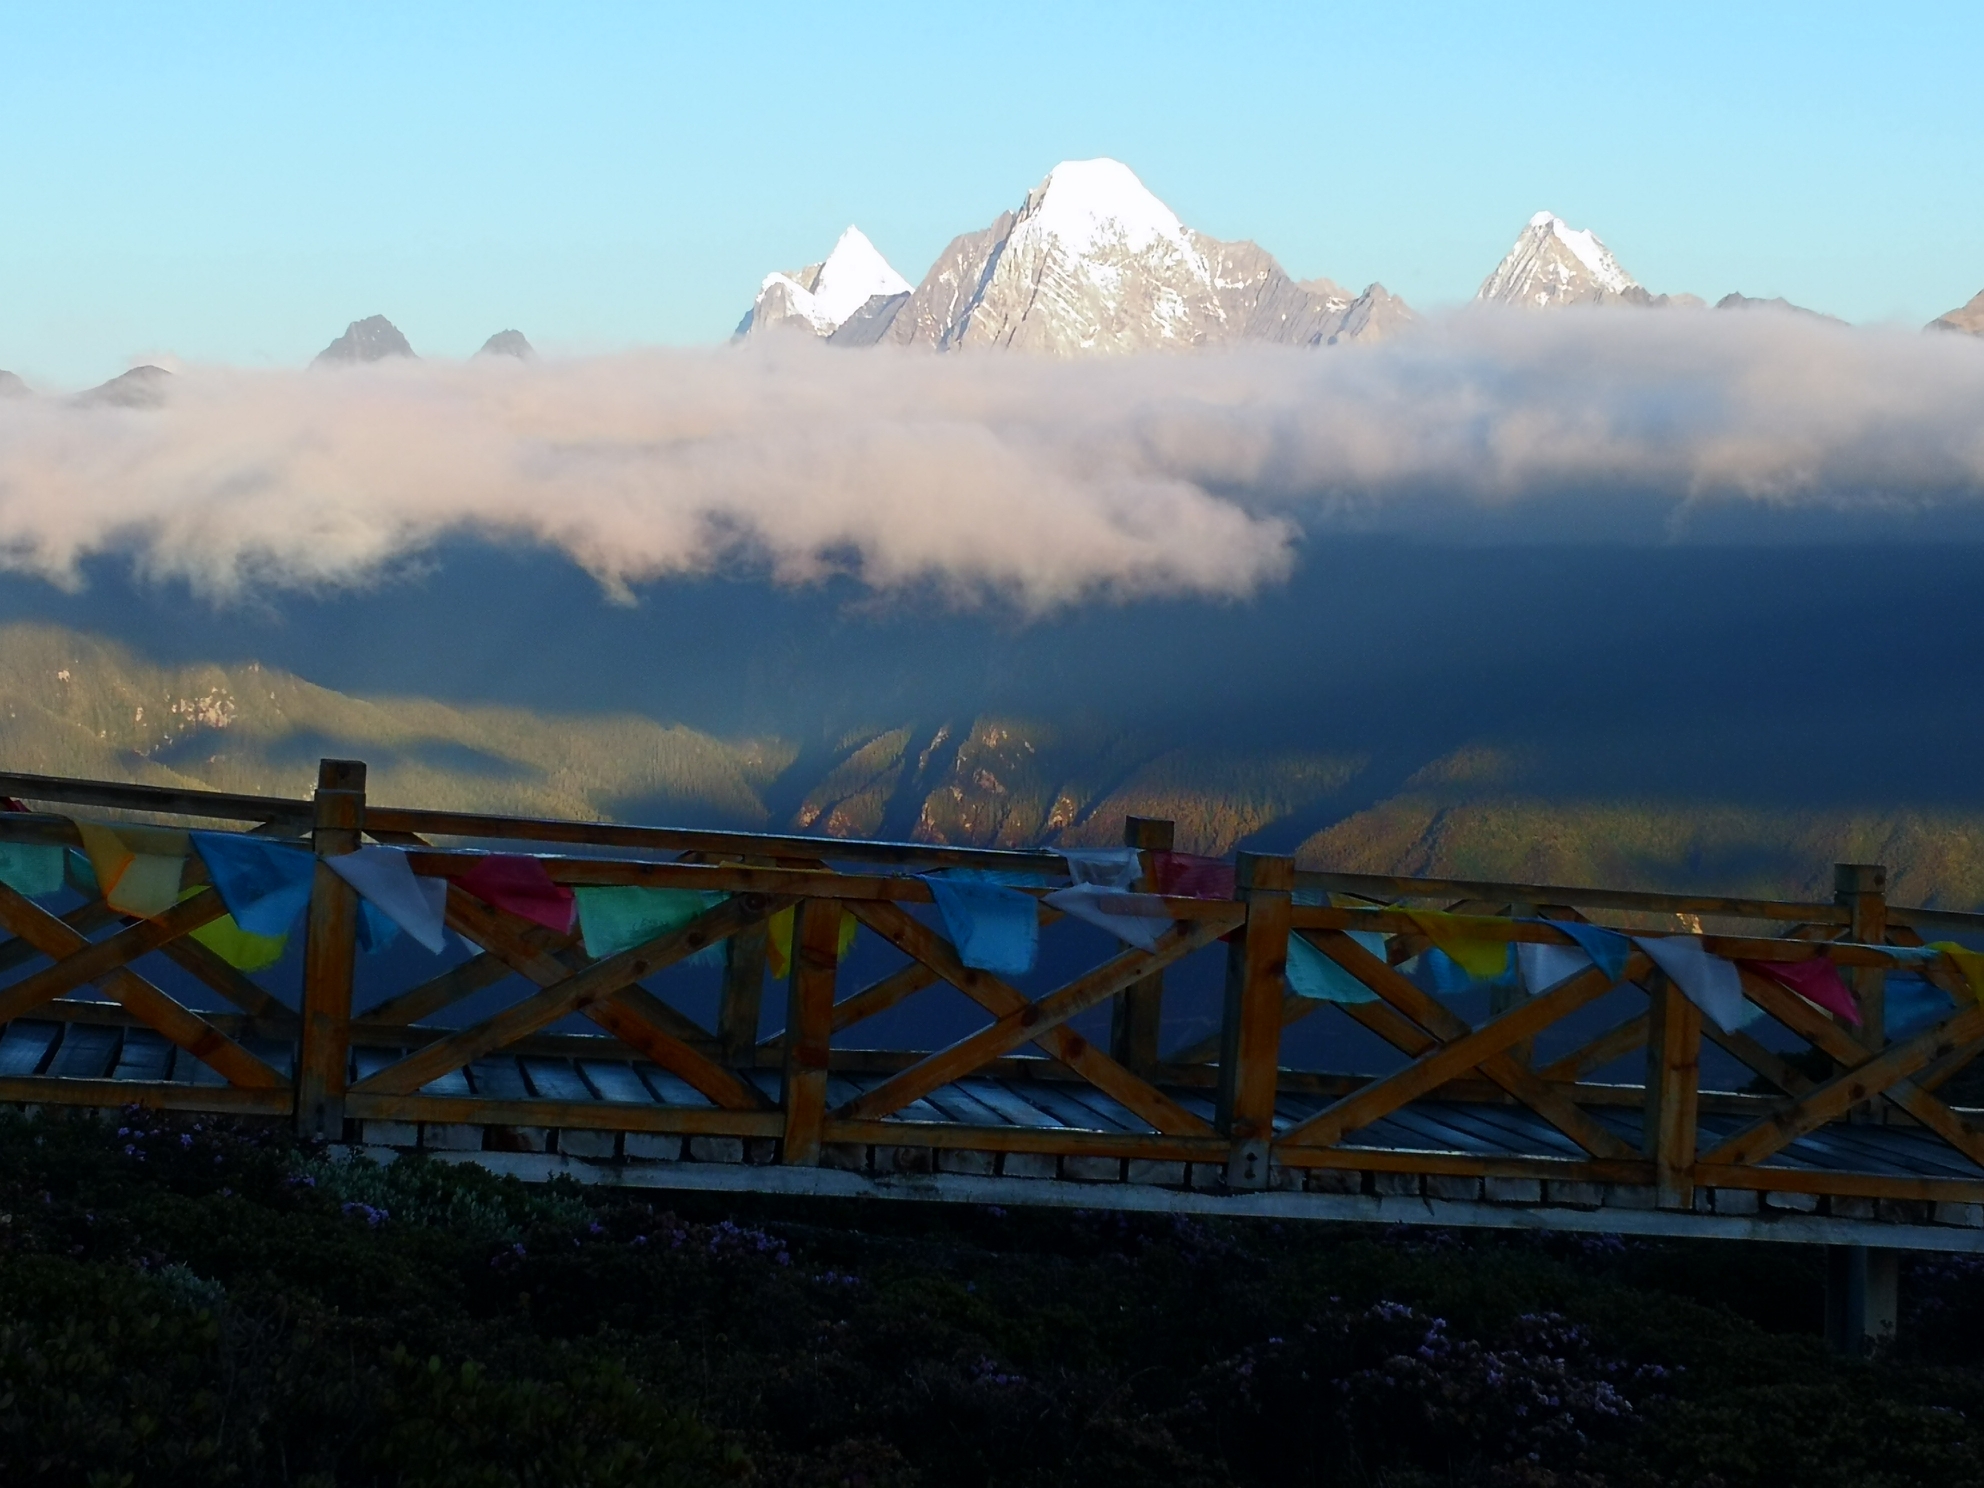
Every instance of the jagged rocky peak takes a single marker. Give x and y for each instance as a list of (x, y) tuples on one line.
[(509, 344), (1969, 319), (1775, 305), (141, 387), (12, 386), (372, 339), (847, 291), (1555, 264), (1093, 262)]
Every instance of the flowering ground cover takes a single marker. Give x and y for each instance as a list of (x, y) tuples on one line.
[(185, 1301)]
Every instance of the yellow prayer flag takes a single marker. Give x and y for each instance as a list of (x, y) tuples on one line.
[(778, 941), (137, 868), (1969, 962), (1480, 958)]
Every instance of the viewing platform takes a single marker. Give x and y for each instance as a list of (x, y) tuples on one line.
[(1187, 1077)]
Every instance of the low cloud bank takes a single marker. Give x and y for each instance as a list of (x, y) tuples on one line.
[(1038, 483)]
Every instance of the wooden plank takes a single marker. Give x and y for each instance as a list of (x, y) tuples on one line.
[(173, 1095), (1673, 1087), (615, 1082), (484, 969), (879, 996), (1861, 890), (809, 1013), (143, 1000), (715, 843), (928, 948), (1464, 1048), (23, 1046), (165, 800), (1613, 1044), (1391, 1026), (1256, 962), (1847, 1185), (1136, 1018), (330, 954), (1388, 887), (85, 920), (555, 1079), (1779, 1071), (590, 1115), (1009, 1103), (742, 998), (1831, 1100), (1020, 1021), (1057, 1141), (87, 1053), (93, 961), (229, 983)]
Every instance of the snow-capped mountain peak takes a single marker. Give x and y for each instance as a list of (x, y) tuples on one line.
[(1090, 204), (825, 296), (1554, 263), (1091, 262), (852, 274)]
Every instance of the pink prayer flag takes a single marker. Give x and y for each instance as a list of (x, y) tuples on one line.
[(519, 885), (1817, 981), (1189, 876)]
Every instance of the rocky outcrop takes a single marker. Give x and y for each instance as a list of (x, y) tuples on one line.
[(372, 339), (141, 387), (1969, 319), (509, 344)]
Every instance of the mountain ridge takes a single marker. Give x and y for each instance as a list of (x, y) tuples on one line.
[(76, 704)]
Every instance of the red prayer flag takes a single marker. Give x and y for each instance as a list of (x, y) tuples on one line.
[(520, 885), (1189, 876), (1817, 981)]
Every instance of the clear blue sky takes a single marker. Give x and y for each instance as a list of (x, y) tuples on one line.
[(237, 182)]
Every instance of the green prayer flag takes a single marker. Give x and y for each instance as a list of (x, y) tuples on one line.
[(619, 917), (31, 868)]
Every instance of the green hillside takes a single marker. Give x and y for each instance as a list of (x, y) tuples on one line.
[(79, 705)]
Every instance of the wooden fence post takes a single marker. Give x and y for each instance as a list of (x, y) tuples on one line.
[(1250, 1032), (1673, 1092), (1136, 1020), (1862, 889), (743, 994), (330, 950), (809, 1021)]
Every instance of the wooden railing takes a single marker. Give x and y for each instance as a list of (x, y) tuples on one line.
[(1229, 1108)]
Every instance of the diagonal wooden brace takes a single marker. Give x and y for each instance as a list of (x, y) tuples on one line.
[(180, 1024), (601, 987), (1885, 1074), (1021, 1020), (1463, 1048)]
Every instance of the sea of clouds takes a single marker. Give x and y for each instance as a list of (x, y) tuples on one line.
[(1032, 482)]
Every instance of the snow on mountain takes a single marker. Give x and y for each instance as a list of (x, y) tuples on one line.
[(12, 386), (1555, 264), (824, 297), (1093, 262)]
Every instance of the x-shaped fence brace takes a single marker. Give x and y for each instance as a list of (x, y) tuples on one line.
[(1440, 1045)]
